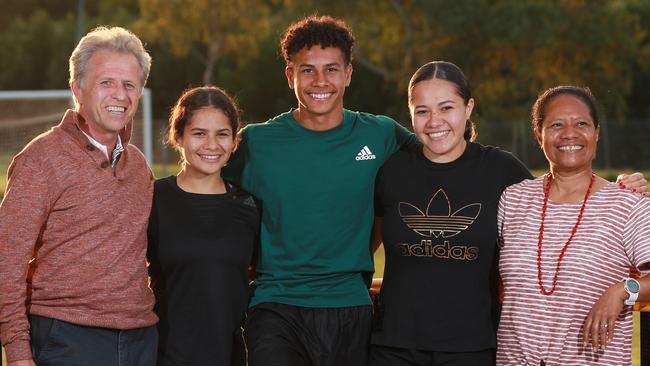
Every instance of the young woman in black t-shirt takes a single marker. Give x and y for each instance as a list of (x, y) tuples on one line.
[(437, 204), (436, 211), (202, 232)]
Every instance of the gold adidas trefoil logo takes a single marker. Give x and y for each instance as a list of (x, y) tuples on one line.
[(438, 220)]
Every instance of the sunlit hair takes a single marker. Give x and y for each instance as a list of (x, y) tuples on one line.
[(114, 39), (538, 112), (444, 70), (198, 98), (325, 31)]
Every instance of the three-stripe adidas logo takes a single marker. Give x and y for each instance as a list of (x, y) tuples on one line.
[(365, 154)]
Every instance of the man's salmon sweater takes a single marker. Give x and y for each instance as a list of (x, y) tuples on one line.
[(73, 236)]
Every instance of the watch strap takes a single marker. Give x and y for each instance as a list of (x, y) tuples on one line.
[(633, 296), (632, 299)]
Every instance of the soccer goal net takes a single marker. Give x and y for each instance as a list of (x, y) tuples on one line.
[(25, 114)]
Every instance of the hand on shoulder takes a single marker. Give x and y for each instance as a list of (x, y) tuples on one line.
[(635, 182)]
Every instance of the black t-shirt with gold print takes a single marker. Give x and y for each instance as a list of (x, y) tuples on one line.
[(440, 233)]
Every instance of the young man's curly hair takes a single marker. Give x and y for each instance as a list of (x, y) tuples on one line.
[(325, 31)]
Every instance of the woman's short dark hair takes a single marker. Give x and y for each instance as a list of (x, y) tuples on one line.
[(538, 112), (444, 70), (325, 31), (197, 98)]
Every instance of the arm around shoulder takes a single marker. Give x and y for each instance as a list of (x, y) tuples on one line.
[(636, 234), (233, 171), (403, 136), (636, 182), (514, 170)]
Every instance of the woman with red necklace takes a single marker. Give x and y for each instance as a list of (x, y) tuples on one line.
[(572, 246)]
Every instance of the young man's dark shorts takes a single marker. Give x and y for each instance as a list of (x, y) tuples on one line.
[(286, 335)]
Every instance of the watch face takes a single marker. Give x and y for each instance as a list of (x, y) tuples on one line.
[(633, 286)]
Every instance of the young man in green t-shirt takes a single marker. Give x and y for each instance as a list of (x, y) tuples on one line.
[(314, 169)]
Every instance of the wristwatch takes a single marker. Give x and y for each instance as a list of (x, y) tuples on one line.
[(632, 287)]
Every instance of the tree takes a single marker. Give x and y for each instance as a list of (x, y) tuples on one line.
[(40, 37), (509, 49), (40, 47), (205, 29)]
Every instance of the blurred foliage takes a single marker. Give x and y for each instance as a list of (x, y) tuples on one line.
[(509, 49), (206, 30)]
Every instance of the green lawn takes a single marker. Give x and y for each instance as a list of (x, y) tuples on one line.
[(161, 171)]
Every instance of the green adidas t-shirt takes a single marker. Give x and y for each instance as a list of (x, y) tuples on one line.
[(317, 190)]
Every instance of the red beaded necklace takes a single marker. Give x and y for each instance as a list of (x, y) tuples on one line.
[(547, 189)]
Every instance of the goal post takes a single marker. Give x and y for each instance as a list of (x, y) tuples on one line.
[(24, 114)]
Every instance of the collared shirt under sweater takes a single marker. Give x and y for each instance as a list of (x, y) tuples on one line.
[(83, 226)]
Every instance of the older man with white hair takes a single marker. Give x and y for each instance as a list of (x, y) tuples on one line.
[(73, 222)]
